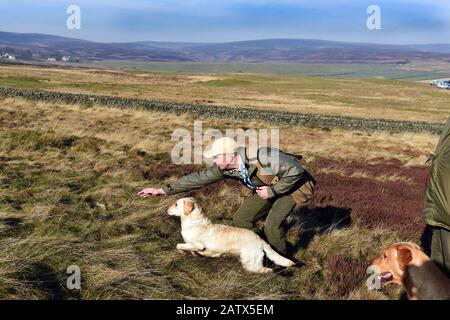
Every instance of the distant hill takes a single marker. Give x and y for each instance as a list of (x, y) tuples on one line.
[(28, 46), (312, 51)]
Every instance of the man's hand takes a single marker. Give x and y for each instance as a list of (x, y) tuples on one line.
[(263, 192), (151, 192)]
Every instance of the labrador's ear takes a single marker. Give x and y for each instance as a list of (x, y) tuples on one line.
[(404, 256), (188, 207)]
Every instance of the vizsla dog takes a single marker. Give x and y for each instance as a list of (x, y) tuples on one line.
[(405, 263), (213, 240)]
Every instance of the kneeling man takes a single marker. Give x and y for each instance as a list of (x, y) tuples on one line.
[(274, 183)]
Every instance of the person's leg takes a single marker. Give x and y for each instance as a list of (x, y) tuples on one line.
[(440, 249), (425, 239), (273, 229), (250, 211)]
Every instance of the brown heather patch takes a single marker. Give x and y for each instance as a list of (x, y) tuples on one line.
[(391, 204), (345, 274)]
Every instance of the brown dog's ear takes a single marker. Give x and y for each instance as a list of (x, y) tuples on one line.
[(188, 207), (404, 256)]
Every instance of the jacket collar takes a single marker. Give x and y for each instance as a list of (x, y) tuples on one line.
[(248, 163)]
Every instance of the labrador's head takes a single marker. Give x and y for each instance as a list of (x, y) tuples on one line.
[(183, 207), (394, 261)]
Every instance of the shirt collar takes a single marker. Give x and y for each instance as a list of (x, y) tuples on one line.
[(241, 164)]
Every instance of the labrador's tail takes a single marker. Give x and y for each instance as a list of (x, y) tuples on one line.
[(275, 257)]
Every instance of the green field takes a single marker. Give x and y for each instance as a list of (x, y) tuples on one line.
[(386, 71)]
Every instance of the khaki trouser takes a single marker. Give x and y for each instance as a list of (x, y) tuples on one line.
[(440, 249), (255, 208)]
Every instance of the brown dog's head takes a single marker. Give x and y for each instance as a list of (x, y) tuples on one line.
[(394, 261), (183, 207)]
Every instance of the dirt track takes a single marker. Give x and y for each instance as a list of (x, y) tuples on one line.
[(242, 114)]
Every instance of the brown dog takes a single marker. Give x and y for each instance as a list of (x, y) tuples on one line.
[(405, 263)]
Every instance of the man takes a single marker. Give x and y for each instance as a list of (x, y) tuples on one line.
[(274, 183), (437, 202)]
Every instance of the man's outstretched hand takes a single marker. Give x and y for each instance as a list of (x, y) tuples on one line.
[(151, 192)]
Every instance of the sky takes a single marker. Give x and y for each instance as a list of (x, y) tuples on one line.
[(402, 21)]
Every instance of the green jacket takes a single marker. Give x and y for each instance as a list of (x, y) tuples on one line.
[(437, 193), (275, 162)]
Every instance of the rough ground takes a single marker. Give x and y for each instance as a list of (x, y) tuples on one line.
[(69, 174)]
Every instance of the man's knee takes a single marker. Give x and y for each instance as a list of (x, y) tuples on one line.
[(273, 228), (250, 211), (275, 234)]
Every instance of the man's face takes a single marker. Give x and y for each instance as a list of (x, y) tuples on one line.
[(225, 161)]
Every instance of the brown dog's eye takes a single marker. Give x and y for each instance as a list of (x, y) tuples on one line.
[(384, 255)]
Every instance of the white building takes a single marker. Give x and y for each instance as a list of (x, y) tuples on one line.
[(65, 58), (6, 55), (51, 59)]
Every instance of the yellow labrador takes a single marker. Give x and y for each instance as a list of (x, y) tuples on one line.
[(213, 240), (405, 263)]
